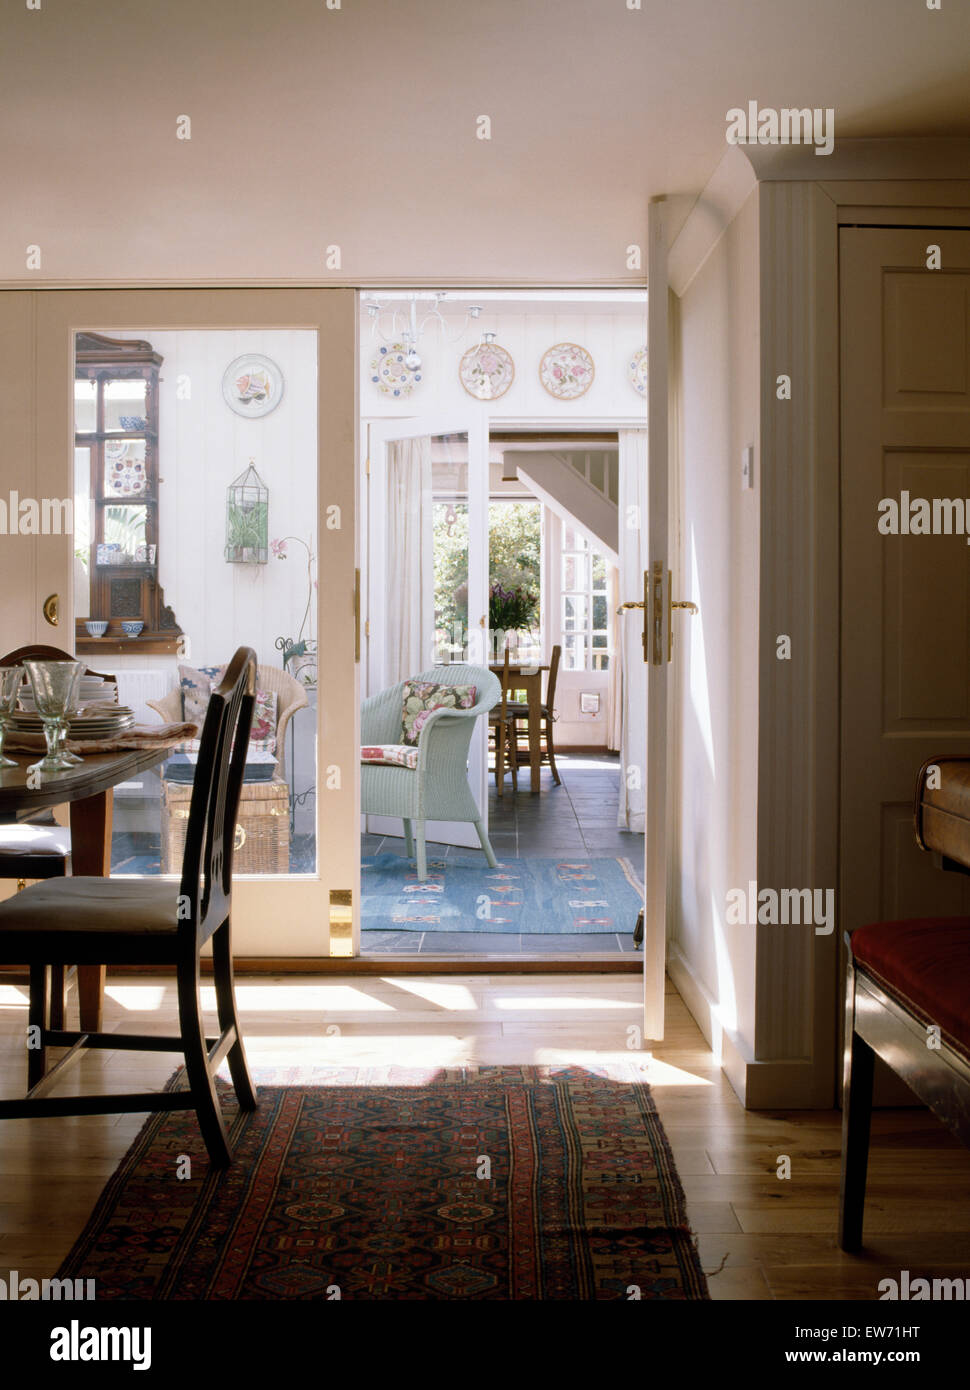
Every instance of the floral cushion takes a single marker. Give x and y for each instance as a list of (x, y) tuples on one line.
[(263, 731), (421, 697), (390, 755), (198, 683)]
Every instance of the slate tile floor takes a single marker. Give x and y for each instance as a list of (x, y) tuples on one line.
[(578, 817)]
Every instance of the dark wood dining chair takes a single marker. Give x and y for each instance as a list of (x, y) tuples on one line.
[(547, 717), (501, 724), (150, 922), (40, 849), (908, 998)]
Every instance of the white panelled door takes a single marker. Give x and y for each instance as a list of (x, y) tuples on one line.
[(458, 480)]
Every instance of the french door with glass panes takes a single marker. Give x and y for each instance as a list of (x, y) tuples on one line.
[(206, 383)]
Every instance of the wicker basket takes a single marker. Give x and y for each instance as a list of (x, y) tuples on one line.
[(262, 844)]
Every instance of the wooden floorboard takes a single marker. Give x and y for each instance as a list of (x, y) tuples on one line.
[(761, 1237)]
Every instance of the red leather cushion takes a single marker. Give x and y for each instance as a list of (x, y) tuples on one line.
[(925, 963)]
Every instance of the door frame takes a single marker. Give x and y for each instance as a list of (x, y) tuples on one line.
[(791, 1057), (46, 321)]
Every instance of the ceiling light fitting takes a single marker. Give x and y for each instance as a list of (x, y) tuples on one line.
[(407, 328)]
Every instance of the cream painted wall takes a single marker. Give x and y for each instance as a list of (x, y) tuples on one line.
[(357, 127), (203, 447), (717, 656)]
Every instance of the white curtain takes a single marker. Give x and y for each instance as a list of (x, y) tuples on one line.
[(633, 537), (409, 623)]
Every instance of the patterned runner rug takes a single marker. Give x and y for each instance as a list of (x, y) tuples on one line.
[(498, 1182), (551, 896)]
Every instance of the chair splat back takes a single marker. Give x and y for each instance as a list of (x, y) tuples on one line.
[(554, 659), (215, 795)]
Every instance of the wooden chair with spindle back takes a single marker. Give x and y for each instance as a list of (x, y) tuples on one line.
[(547, 716), (150, 922), (501, 724)]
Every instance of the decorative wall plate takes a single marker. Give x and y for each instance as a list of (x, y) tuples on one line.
[(389, 374), (637, 371), (252, 385), (124, 476), (566, 371), (486, 371)]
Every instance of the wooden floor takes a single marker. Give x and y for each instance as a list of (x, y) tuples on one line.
[(760, 1237)]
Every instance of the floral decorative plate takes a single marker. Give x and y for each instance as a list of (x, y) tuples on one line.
[(637, 371), (566, 371), (390, 375), (252, 385), (126, 477), (486, 371)]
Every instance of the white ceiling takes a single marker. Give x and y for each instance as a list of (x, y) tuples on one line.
[(356, 127)]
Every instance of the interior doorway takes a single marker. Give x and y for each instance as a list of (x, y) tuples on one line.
[(503, 473)]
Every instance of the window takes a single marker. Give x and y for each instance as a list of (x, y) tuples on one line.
[(585, 605)]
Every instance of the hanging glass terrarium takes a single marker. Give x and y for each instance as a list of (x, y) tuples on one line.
[(247, 519)]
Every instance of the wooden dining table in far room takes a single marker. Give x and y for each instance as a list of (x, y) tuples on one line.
[(89, 790), (528, 679)]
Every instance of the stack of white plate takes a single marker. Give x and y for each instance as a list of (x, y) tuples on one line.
[(93, 691), (99, 723)]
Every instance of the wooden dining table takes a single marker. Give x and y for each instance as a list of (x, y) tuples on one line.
[(528, 679), (89, 791)]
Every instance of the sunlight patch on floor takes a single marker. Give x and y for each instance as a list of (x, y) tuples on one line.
[(290, 998), (138, 998), (554, 1003), (443, 995)]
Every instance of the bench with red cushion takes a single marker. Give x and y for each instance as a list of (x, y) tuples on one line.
[(925, 964), (908, 996)]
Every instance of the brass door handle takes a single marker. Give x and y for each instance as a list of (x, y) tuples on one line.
[(356, 615), (672, 604), (50, 609), (630, 603)]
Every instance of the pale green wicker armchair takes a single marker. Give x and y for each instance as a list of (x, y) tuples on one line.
[(437, 789)]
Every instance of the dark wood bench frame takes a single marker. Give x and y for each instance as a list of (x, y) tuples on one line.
[(878, 1024)]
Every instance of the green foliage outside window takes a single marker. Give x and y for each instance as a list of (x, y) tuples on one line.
[(514, 566)]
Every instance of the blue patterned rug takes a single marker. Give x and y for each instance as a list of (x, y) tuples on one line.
[(547, 896)]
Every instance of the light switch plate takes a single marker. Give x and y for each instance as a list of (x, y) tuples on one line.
[(747, 466)]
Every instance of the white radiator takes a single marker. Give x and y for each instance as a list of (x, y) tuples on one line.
[(135, 688)]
